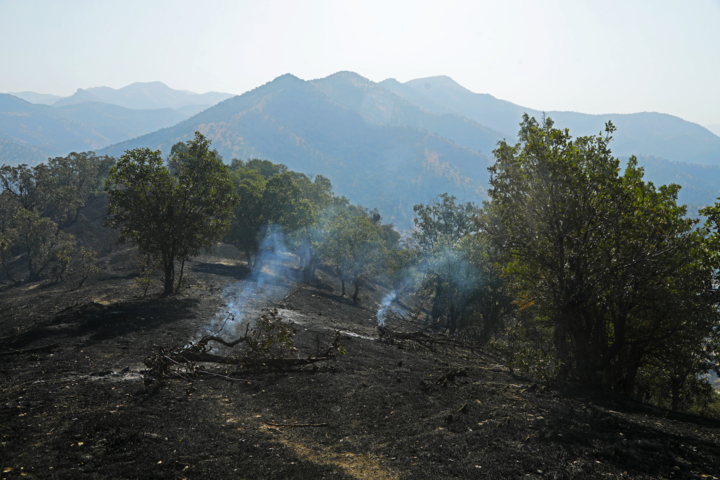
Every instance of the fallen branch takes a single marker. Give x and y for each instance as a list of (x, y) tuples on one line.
[(425, 339), (268, 345)]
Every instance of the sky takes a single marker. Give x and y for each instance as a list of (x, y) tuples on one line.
[(585, 56)]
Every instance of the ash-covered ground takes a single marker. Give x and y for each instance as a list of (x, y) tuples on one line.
[(74, 404)]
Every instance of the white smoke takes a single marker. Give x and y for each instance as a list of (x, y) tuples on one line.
[(269, 280), (386, 305)]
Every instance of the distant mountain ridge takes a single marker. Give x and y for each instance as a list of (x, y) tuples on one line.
[(646, 133), (31, 133), (138, 96), (37, 98), (714, 128), (143, 96)]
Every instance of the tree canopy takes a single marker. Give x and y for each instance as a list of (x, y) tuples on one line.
[(171, 216), (608, 264)]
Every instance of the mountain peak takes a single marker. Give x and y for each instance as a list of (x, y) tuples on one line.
[(438, 81), (288, 77)]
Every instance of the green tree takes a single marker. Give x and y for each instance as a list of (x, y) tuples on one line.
[(607, 260), (271, 196), (171, 216), (37, 203), (353, 245), (39, 240), (457, 271), (56, 189)]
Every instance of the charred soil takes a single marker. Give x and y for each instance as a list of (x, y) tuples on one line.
[(74, 403)]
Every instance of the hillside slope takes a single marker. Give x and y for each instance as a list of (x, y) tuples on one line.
[(700, 183), (384, 107), (78, 402)]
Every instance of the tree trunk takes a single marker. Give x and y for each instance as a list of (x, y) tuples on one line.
[(676, 384), (169, 271), (437, 301), (182, 268), (357, 289), (631, 371), (248, 256), (560, 342), (342, 282)]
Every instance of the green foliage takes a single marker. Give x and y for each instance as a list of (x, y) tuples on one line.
[(458, 273), (88, 265), (270, 195), (62, 261), (171, 216), (352, 245), (38, 239), (608, 261), (146, 267), (271, 336), (56, 189), (37, 203)]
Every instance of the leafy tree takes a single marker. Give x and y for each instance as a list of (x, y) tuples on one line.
[(457, 271), (353, 245), (171, 216), (283, 203), (606, 260), (38, 238), (272, 196), (58, 188), (442, 221), (247, 220), (37, 203)]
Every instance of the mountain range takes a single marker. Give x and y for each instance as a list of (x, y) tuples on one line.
[(139, 95), (31, 133), (35, 126), (388, 145), (647, 133)]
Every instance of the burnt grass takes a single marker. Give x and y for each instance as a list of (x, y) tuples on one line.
[(74, 403)]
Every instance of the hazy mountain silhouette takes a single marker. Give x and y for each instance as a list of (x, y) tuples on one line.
[(297, 123), (714, 128), (42, 130), (37, 98), (143, 95), (384, 107), (647, 133)]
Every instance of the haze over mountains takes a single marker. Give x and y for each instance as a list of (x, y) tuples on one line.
[(35, 126), (139, 95), (387, 145)]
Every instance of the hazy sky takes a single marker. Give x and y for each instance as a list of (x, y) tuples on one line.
[(586, 56)]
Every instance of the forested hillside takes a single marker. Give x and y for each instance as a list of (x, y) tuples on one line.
[(293, 122)]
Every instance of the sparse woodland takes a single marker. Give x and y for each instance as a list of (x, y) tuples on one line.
[(574, 271)]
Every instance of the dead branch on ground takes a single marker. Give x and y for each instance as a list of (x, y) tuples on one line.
[(266, 344)]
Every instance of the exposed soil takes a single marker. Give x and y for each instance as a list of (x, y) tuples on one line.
[(74, 404)]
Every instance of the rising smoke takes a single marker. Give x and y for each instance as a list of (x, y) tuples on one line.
[(447, 265), (269, 281)]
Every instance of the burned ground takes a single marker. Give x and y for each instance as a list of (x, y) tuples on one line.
[(74, 404)]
